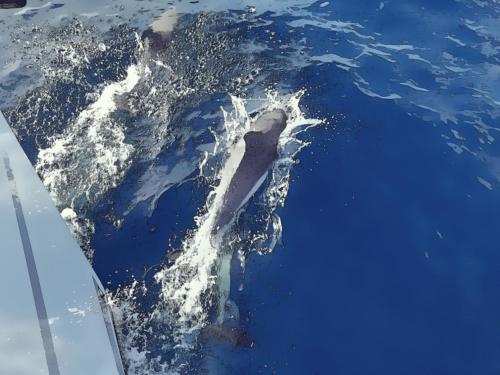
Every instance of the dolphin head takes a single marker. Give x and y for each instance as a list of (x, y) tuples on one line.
[(265, 131), (272, 123)]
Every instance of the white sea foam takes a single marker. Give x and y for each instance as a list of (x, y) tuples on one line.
[(331, 25), (91, 155), (372, 94), (367, 50), (488, 185), (88, 158), (395, 47), (455, 40), (457, 69), (411, 84), (414, 56), (333, 58)]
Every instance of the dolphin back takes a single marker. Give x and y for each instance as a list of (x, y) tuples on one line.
[(261, 150)]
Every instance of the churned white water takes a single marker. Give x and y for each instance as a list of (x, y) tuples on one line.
[(93, 144)]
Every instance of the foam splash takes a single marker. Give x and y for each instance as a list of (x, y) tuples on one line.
[(93, 136), (90, 157), (82, 229)]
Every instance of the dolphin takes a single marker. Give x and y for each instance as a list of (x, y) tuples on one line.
[(229, 331), (159, 32), (261, 150), (11, 4), (235, 336)]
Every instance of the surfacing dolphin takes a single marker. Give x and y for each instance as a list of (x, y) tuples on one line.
[(261, 150)]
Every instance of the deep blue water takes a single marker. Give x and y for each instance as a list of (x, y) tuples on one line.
[(352, 291), (390, 249)]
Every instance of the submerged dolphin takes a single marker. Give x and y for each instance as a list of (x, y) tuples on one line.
[(158, 34), (230, 331), (11, 4), (235, 336), (261, 150)]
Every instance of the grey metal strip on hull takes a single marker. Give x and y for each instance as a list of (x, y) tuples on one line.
[(108, 320), (36, 288)]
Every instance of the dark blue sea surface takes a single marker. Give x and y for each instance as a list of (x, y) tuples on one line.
[(364, 284), (389, 254)]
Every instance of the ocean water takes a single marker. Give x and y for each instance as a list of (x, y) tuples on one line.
[(372, 245)]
